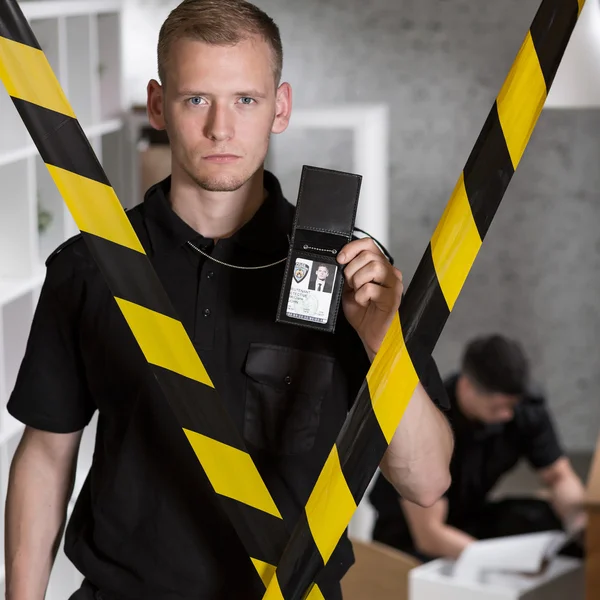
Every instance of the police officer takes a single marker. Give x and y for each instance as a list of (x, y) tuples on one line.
[(147, 523), (497, 418)]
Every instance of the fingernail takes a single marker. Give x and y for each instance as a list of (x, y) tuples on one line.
[(341, 257)]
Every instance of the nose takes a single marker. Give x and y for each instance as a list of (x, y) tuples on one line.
[(219, 124)]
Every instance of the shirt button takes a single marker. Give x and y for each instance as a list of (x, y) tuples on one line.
[(207, 312), (288, 380), (210, 275)]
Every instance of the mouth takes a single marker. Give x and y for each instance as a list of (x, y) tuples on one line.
[(221, 158)]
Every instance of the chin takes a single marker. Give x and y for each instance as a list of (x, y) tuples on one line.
[(220, 184), (221, 181)]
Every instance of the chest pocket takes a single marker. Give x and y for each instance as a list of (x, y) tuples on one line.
[(284, 393)]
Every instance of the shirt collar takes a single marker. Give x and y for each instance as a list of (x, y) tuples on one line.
[(267, 232)]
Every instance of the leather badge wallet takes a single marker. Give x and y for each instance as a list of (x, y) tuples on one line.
[(324, 223)]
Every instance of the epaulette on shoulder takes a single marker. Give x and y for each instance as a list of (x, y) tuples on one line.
[(64, 245)]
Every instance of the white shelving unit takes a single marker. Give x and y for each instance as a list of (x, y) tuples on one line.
[(82, 41)]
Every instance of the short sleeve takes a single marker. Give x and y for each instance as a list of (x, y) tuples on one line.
[(50, 391), (541, 445)]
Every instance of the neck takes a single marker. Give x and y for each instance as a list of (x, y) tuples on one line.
[(215, 215)]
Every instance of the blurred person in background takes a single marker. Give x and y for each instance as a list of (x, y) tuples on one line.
[(498, 418)]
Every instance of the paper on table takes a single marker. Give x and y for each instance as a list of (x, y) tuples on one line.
[(517, 554)]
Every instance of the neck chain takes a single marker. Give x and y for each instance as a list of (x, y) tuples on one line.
[(220, 262)]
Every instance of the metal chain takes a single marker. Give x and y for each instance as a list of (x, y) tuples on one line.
[(236, 266)]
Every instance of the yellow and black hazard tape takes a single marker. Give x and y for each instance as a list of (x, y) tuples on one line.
[(392, 377), (111, 239), (429, 299)]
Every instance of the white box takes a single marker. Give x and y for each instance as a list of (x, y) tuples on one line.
[(563, 578)]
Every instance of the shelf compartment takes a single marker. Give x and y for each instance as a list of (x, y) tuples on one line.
[(16, 324), (14, 133), (108, 68), (17, 243), (112, 163), (79, 66)]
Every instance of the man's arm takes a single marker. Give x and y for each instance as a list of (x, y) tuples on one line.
[(430, 533), (417, 460), (40, 485), (567, 493)]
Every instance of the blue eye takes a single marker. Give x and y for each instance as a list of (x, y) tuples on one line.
[(196, 100), (247, 98)]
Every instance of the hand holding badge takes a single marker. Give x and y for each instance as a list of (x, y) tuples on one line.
[(372, 293)]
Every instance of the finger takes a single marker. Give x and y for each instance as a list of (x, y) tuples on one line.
[(373, 272), (358, 262), (384, 298), (354, 248)]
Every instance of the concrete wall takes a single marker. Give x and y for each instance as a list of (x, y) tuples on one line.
[(439, 65)]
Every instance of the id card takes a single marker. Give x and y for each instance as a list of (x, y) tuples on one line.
[(311, 292)]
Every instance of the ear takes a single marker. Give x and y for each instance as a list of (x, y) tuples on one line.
[(155, 105), (283, 108), (464, 385)]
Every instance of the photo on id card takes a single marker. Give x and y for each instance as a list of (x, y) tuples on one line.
[(311, 290)]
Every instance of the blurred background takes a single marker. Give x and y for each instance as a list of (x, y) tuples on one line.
[(397, 90)]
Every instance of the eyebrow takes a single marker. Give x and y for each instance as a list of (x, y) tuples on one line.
[(244, 94)]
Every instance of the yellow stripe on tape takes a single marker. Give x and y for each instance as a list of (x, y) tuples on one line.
[(164, 341), (392, 380), (264, 570), (95, 208), (581, 3), (330, 506), (455, 244), (521, 100), (315, 593), (232, 473), (28, 76), (273, 591)]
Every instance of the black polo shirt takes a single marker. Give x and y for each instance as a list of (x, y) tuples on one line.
[(147, 524), (482, 455)]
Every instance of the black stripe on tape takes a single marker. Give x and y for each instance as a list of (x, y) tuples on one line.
[(14, 26), (267, 537), (300, 562), (488, 172), (550, 32), (423, 311), (361, 445), (198, 408), (134, 279), (61, 141)]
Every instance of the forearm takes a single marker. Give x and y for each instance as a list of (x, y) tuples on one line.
[(444, 542), (35, 514), (567, 497), (418, 457)]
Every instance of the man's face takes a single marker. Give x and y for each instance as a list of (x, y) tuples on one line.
[(219, 106), (322, 273), (487, 407)]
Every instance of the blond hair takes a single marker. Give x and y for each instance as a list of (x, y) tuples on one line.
[(218, 22)]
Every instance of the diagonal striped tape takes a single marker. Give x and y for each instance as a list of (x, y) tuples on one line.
[(431, 296), (120, 256)]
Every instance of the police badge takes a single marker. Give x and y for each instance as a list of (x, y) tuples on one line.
[(301, 271), (324, 222)]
